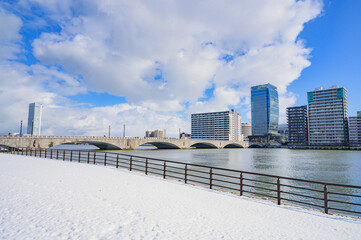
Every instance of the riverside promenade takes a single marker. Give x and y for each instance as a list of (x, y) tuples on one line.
[(49, 199)]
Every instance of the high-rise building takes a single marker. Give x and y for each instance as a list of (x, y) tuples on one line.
[(155, 134), (327, 112), (297, 119), (224, 125), (34, 119), (265, 109), (354, 124)]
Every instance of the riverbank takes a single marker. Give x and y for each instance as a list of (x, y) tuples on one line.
[(314, 147), (43, 199)]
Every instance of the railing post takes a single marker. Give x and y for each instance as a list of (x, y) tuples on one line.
[(278, 191), (130, 163), (40, 152), (105, 159), (57, 154), (79, 157), (45, 153), (94, 157), (51, 154), (22, 151), (210, 178), (71, 155), (35, 152), (146, 166), (164, 169), (325, 198), (185, 173), (63, 155), (31, 152), (88, 157), (241, 184), (117, 160)]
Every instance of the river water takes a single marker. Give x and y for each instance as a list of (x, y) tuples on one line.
[(335, 166)]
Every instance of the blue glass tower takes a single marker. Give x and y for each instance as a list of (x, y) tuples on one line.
[(34, 119), (265, 109)]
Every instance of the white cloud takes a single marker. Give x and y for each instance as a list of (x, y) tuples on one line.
[(119, 47)]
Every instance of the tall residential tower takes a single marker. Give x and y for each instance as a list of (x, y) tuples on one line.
[(34, 119), (265, 109), (327, 111)]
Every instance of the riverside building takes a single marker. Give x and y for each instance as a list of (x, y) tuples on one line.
[(224, 125), (246, 130), (265, 112), (297, 119), (327, 111), (354, 124), (155, 134), (34, 119)]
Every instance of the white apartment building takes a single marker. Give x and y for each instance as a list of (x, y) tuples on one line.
[(224, 125), (327, 109)]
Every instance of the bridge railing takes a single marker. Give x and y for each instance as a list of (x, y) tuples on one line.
[(82, 137), (328, 197)]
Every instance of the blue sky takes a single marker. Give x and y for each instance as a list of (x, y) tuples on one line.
[(150, 65), (335, 38)]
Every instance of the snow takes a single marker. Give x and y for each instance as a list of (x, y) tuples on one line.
[(50, 199)]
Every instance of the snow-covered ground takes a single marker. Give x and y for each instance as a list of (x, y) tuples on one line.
[(50, 199)]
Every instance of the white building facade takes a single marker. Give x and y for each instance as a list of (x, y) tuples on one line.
[(224, 125), (246, 130)]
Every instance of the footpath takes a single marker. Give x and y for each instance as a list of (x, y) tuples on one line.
[(49, 199)]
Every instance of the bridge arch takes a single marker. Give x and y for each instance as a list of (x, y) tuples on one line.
[(162, 145), (233, 145), (203, 145), (100, 145), (255, 145)]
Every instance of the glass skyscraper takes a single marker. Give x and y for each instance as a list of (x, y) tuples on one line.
[(34, 119), (265, 109)]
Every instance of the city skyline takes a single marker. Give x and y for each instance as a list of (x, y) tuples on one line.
[(94, 64)]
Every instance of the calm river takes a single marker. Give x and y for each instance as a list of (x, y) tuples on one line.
[(335, 166)]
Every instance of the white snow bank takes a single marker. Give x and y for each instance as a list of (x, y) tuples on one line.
[(50, 199)]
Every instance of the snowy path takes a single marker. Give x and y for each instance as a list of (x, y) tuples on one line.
[(49, 199)]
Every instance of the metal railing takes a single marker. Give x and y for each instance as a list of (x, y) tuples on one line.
[(328, 197)]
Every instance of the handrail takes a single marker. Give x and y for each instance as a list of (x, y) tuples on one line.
[(293, 191), (246, 172)]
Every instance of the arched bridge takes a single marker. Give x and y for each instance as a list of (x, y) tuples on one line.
[(115, 143)]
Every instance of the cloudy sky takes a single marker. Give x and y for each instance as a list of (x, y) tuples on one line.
[(150, 64)]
